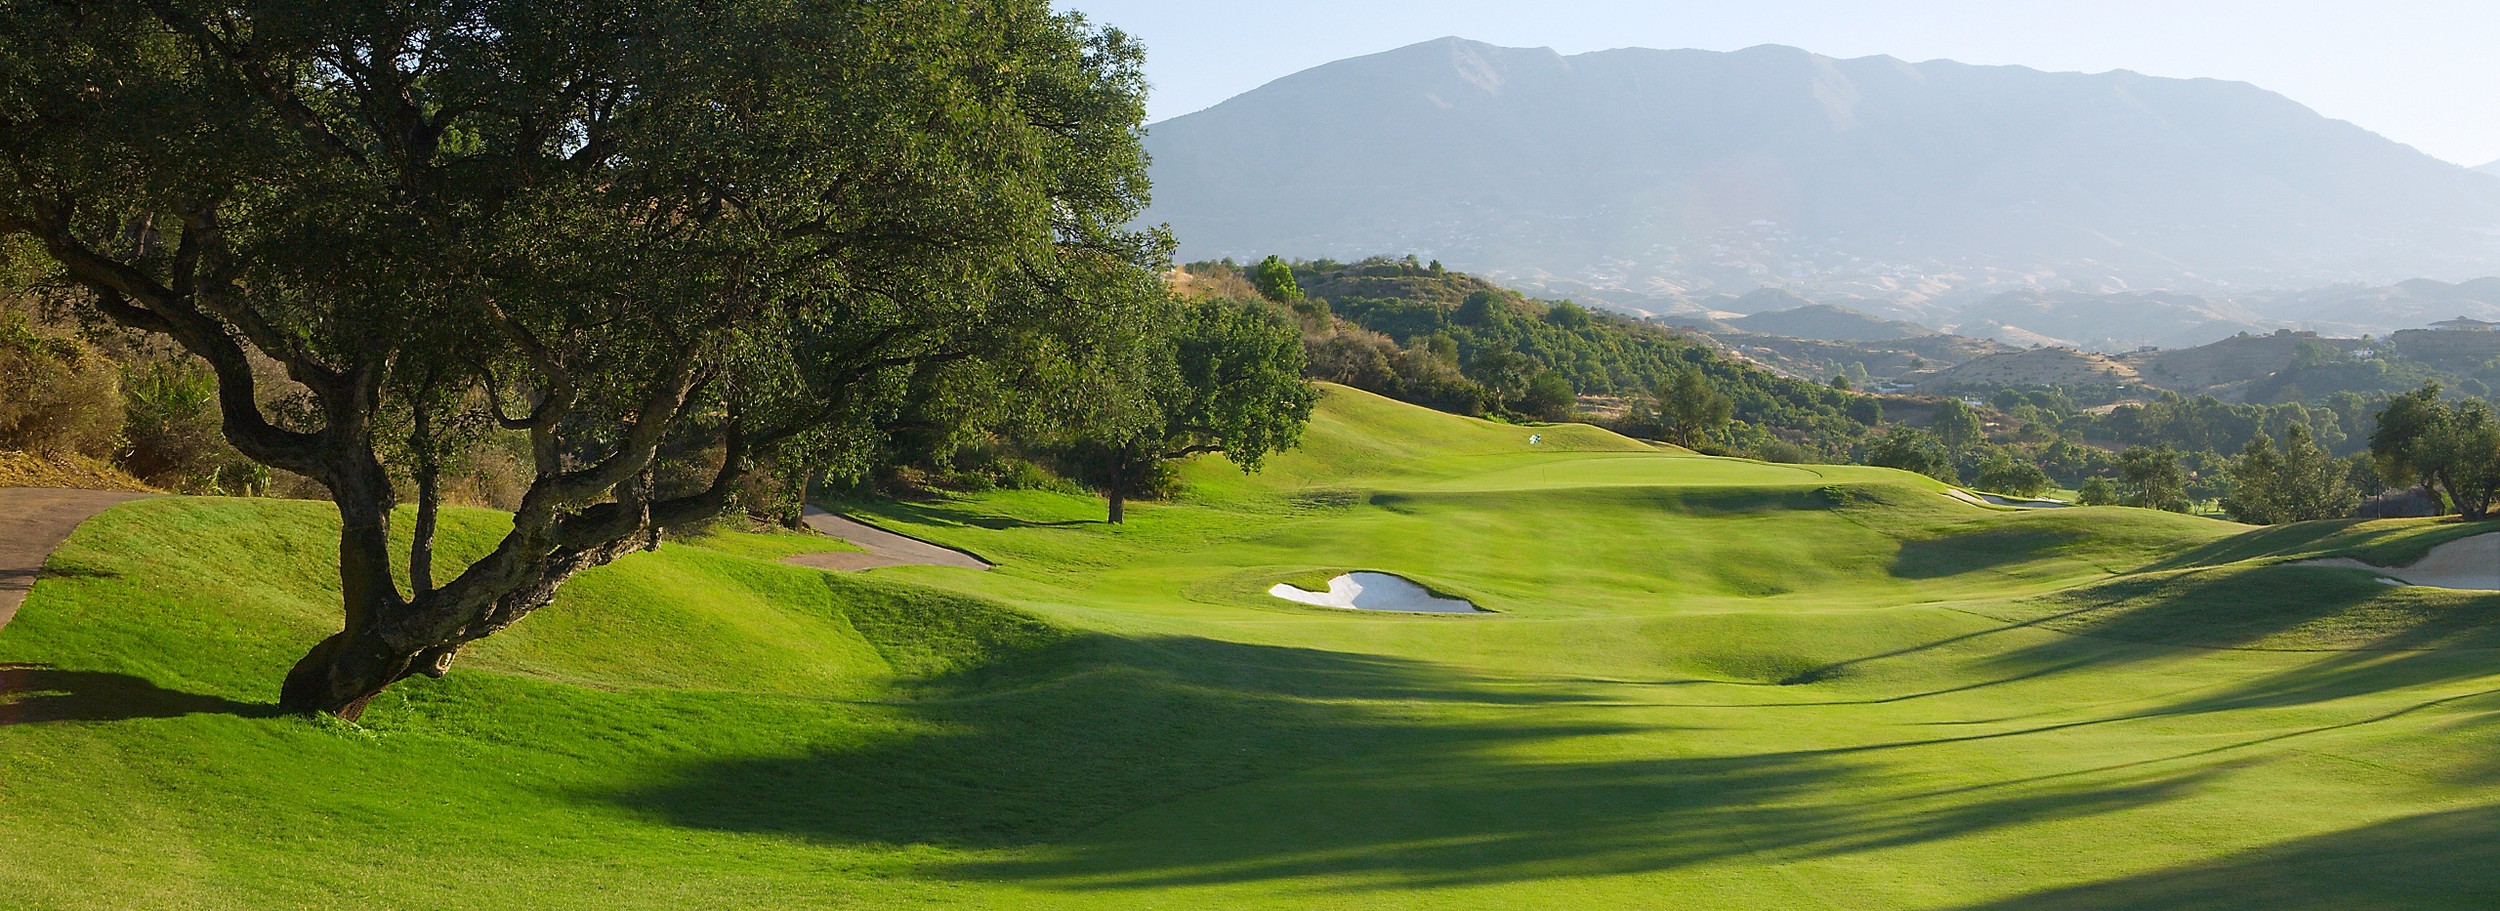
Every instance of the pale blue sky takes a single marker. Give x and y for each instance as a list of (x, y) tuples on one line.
[(2423, 72)]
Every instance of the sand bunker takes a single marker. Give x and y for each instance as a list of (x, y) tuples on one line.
[(1376, 591), (1989, 499), (2472, 564)]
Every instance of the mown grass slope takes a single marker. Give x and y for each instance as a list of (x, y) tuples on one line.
[(1709, 683)]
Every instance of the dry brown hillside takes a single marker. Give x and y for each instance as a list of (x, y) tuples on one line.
[(2034, 367), (2230, 361)]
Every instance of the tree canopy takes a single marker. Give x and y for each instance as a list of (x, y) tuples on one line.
[(2449, 447), (1228, 380), (2293, 481), (666, 242)]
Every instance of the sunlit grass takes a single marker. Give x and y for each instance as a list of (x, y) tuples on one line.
[(1712, 683)]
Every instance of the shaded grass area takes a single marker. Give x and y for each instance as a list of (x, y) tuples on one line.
[(2448, 859), (1715, 684)]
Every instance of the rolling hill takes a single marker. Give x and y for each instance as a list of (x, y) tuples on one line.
[(1639, 176), (1828, 323), (1708, 683)]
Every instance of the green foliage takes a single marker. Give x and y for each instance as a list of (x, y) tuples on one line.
[(1690, 408), (2150, 478), (2002, 472), (174, 441), (1957, 425), (2294, 481), (1274, 279), (676, 247), (2452, 446), (2097, 492), (1229, 380), (1502, 342), (1548, 397), (1912, 449), (56, 394)]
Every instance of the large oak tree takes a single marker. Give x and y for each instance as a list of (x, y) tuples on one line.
[(667, 240)]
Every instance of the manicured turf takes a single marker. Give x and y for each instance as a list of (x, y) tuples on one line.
[(1711, 684)]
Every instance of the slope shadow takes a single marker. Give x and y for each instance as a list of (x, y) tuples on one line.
[(1998, 544), (1076, 733), (1301, 762), (2263, 542), (2429, 861), (1474, 820), (943, 515), (36, 693), (2330, 609)]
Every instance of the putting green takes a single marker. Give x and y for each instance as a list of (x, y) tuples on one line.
[(1711, 684)]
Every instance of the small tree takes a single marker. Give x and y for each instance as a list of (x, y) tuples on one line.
[(2295, 481), (2097, 492), (1691, 409), (1549, 397), (2448, 448), (2005, 472), (1229, 380), (1274, 279), (1911, 449), (2257, 484), (1958, 426), (2150, 478)]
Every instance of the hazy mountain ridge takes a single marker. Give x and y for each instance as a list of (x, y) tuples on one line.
[(1652, 178)]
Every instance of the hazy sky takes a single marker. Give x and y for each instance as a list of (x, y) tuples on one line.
[(2422, 72)]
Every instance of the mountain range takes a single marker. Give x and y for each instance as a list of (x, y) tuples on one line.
[(1655, 179), (2108, 322)]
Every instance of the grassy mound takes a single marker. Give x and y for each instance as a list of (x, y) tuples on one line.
[(1713, 683)]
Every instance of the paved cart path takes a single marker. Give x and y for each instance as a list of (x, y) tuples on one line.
[(33, 521), (880, 548)]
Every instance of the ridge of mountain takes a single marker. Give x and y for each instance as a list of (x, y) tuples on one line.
[(1638, 177), (1829, 323)]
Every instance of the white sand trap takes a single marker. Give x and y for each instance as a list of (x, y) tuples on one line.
[(1989, 499), (2471, 564), (1376, 591)]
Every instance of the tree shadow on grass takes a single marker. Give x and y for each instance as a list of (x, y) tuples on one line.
[(1476, 821), (2430, 861), (36, 693), (1998, 545), (2274, 608), (1306, 763), (943, 514), (1087, 730)]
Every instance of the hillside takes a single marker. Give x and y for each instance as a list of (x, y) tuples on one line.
[(1457, 342), (1828, 323), (2105, 322), (1639, 176), (1707, 683), (2231, 361), (1883, 361), (2053, 367)]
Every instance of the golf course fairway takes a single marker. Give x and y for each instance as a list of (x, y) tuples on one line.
[(1705, 683)]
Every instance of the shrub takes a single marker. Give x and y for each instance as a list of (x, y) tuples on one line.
[(62, 396), (174, 436)]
